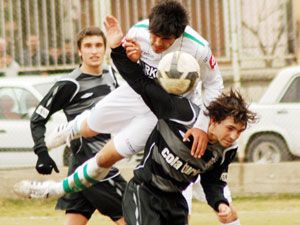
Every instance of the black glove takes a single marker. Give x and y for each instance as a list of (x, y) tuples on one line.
[(45, 163)]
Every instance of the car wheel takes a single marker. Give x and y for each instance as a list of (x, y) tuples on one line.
[(66, 156), (268, 148)]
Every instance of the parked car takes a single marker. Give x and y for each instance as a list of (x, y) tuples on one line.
[(275, 137), (18, 98)]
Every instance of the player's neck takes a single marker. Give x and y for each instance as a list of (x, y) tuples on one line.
[(91, 70)]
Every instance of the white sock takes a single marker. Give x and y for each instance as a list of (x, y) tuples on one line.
[(84, 176), (79, 119), (236, 222)]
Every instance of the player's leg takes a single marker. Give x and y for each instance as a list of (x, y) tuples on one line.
[(84, 176), (133, 137), (139, 205), (75, 219), (96, 168), (129, 141), (188, 195), (109, 115), (106, 197), (77, 208)]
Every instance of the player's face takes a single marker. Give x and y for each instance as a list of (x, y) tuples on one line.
[(92, 51), (160, 44), (226, 132)]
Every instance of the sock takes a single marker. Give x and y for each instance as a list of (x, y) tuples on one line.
[(236, 222), (84, 176), (79, 119)]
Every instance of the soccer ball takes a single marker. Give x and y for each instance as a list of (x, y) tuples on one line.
[(178, 73)]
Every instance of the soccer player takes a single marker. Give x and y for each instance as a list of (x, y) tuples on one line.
[(123, 111), (165, 31), (74, 93), (157, 175), (154, 194)]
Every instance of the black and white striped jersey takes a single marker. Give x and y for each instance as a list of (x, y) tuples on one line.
[(73, 93), (167, 164)]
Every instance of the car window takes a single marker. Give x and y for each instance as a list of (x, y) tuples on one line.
[(43, 88), (292, 94), (27, 102), (9, 108)]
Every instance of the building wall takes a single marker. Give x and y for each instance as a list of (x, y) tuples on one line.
[(297, 14)]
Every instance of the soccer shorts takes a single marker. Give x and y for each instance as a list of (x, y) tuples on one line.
[(123, 113), (106, 197), (146, 205)]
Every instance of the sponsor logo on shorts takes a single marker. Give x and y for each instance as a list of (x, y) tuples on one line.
[(212, 62)]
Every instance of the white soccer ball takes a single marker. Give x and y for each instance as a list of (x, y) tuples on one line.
[(178, 73)]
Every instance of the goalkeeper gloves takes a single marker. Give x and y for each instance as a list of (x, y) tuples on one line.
[(45, 164)]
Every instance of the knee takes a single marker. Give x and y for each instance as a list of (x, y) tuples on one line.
[(85, 131), (108, 155)]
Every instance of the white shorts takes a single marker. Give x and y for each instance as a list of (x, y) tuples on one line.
[(124, 113), (195, 190)]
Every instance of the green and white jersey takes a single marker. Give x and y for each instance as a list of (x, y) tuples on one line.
[(192, 43)]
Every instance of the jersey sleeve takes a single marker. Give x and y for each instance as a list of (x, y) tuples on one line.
[(215, 180), (213, 186), (56, 99), (212, 83), (162, 104)]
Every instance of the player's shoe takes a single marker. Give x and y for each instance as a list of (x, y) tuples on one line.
[(63, 134), (39, 189)]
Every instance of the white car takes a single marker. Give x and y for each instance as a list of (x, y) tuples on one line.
[(18, 98), (275, 137)]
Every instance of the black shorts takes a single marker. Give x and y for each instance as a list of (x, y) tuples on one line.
[(148, 206), (105, 196)]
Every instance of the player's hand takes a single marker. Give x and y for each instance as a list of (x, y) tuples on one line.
[(45, 164), (114, 33), (224, 212), (200, 141), (133, 49)]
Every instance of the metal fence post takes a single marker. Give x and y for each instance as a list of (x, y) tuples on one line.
[(234, 45)]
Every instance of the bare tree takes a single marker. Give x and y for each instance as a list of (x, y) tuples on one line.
[(280, 14)]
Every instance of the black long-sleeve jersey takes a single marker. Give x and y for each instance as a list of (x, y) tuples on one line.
[(167, 164), (73, 94)]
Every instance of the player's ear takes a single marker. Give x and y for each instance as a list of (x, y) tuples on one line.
[(212, 121)]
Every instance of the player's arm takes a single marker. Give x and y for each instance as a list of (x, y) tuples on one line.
[(56, 99), (213, 188), (215, 180), (212, 84), (162, 104)]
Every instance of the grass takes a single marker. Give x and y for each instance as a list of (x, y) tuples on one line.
[(259, 210)]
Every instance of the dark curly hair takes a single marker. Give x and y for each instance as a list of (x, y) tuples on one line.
[(231, 104), (168, 18)]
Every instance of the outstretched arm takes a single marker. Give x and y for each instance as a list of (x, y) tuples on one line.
[(55, 100)]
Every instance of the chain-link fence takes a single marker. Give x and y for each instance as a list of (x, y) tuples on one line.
[(40, 34), (250, 39)]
